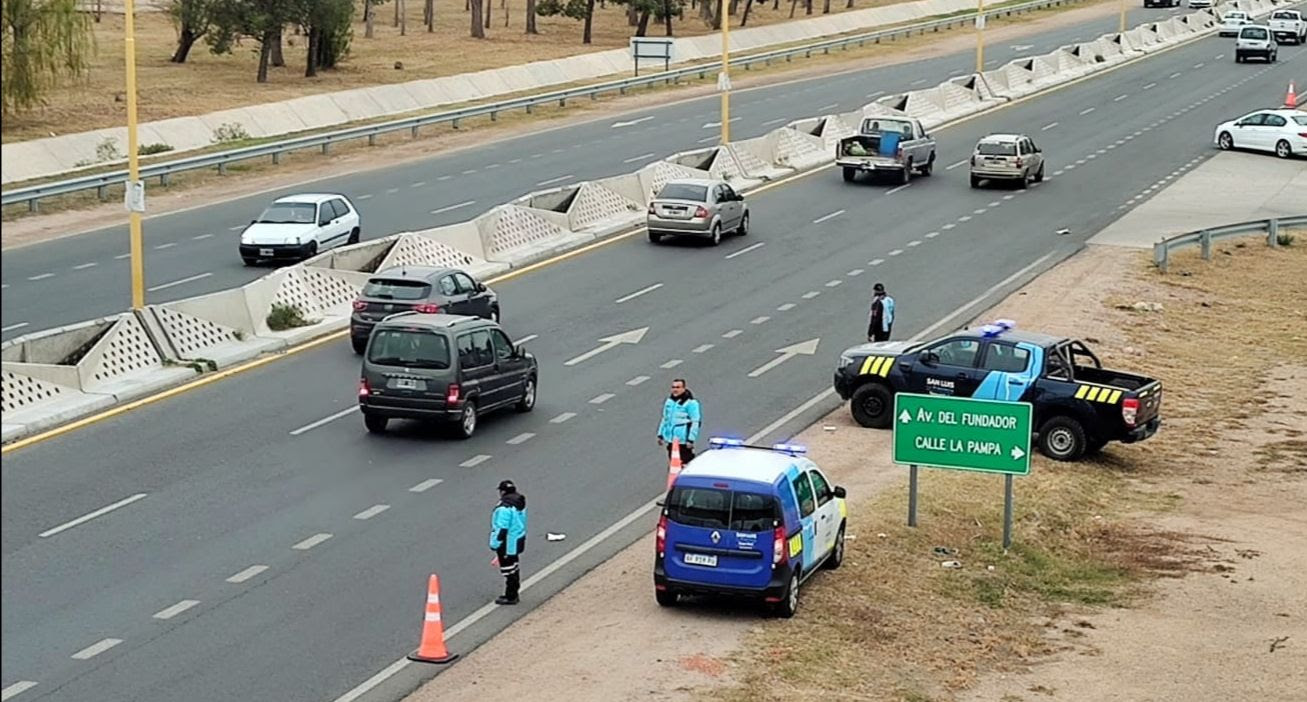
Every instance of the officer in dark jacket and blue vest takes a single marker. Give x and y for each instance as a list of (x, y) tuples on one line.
[(508, 538)]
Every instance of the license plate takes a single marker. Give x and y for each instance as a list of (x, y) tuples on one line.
[(265, 252), (701, 559), (406, 384)]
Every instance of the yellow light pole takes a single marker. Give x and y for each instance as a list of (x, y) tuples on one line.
[(980, 36), (724, 78), (134, 197), (1122, 29)]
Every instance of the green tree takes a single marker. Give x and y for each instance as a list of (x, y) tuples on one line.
[(44, 42), (660, 10), (576, 9), (192, 19), (326, 23), (261, 20)]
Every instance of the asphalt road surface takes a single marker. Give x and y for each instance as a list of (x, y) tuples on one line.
[(221, 583), (191, 253)]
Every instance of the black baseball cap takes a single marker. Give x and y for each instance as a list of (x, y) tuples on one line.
[(507, 486), (878, 287)]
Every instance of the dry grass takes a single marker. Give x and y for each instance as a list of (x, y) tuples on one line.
[(170, 90), (894, 625)]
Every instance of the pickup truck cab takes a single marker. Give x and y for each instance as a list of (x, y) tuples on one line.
[(1079, 406), (1288, 26), (894, 145)]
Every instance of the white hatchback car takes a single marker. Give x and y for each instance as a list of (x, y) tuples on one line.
[(1282, 132), (297, 227)]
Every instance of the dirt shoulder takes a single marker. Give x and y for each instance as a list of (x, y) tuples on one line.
[(1149, 573), (78, 215)]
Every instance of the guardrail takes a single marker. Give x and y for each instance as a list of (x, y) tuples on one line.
[(221, 159), (1205, 237)]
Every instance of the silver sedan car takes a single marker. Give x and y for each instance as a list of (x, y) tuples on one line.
[(703, 208)]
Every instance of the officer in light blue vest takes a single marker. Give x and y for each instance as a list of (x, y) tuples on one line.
[(681, 420), (508, 538), (881, 319)]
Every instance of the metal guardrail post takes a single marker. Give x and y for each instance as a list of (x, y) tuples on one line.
[(1161, 255), (1205, 240), (1273, 233)]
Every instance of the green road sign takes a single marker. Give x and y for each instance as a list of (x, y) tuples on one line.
[(962, 433)]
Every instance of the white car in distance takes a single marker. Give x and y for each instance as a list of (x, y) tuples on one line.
[(297, 227), (1281, 132), (1232, 21)]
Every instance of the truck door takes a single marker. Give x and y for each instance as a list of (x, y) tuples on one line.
[(1009, 370), (947, 368)]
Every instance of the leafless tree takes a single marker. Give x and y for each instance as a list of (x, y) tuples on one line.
[(478, 32), (531, 17)]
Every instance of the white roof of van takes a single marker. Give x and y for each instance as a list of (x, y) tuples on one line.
[(759, 465)]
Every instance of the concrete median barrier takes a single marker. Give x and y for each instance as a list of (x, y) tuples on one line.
[(655, 175), (521, 235), (791, 148)]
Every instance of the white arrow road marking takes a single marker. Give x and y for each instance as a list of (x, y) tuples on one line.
[(806, 348), (1017, 453), (905, 417), (619, 125), (632, 337)]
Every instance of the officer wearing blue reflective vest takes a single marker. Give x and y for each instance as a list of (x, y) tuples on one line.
[(681, 420), (881, 319), (508, 538)]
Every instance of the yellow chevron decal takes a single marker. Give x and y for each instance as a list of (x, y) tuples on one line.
[(1098, 393), (1080, 392), (796, 544), (866, 365)]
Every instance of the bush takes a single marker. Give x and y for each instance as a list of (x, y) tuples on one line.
[(149, 149), (230, 132), (283, 317), (1284, 238), (107, 150)]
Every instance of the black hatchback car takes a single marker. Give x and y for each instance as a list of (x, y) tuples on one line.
[(443, 368), (424, 289)]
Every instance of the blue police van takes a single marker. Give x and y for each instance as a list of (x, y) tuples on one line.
[(748, 521)]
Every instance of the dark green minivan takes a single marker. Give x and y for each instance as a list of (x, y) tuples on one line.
[(442, 368)]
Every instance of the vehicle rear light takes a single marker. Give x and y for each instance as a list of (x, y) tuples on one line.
[(700, 212), (1019, 162), (360, 305), (451, 395), (1130, 410), (899, 153), (428, 308), (661, 535), (778, 546), (364, 388), (651, 209), (1303, 134)]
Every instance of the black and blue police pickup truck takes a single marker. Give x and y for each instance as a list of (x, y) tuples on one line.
[(1078, 406)]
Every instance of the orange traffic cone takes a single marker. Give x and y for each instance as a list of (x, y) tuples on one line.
[(432, 649), (674, 466), (1291, 99)]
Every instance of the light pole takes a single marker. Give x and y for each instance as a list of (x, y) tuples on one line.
[(980, 36), (1122, 29), (724, 78), (134, 197)]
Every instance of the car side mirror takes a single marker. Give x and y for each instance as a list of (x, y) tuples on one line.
[(840, 492), (519, 351), (481, 287)]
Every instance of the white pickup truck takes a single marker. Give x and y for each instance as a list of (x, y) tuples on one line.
[(896, 145), (1288, 26)]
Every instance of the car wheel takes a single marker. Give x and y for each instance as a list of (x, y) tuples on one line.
[(528, 401), (655, 237), (872, 406), (743, 229), (789, 603), (837, 554), (1024, 181), (1039, 175), (1062, 439), (466, 425), (311, 250), (375, 424), (666, 598), (929, 168), (975, 182), (850, 174), (716, 236), (1282, 149), (353, 236), (358, 344), (1238, 58), (1225, 141), (906, 176)]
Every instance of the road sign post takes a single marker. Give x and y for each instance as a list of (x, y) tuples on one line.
[(961, 433)]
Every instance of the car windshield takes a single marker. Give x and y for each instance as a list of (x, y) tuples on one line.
[(714, 508), (1253, 33), (289, 213), (1284, 16), (882, 125), (412, 348), (391, 289), (684, 191), (996, 148)]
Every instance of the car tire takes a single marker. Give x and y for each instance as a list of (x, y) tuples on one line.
[(666, 598), (1282, 149), (1225, 141), (872, 406), (850, 174), (1063, 439), (1039, 175), (906, 176), (716, 235), (789, 604), (359, 345), (743, 229), (975, 182), (1024, 181), (311, 250), (354, 236), (836, 557), (1238, 58), (528, 401), (929, 168), (466, 425), (655, 237), (375, 424)]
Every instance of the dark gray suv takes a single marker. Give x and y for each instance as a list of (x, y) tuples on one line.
[(443, 368), (424, 289)]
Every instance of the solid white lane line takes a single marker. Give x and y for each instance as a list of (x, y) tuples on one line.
[(16, 689), (371, 512), (562, 418), (600, 399), (120, 257), (891, 191), (872, 96), (42, 276), (1086, 111), (175, 283), (176, 609), (450, 208), (831, 106), (528, 337), (759, 320), (641, 157), (785, 307), (746, 249), (732, 333), (168, 245), (88, 517), (701, 348), (637, 380), (521, 438), (951, 166), (828, 217), (919, 81), (324, 420), (778, 120), (12, 327), (559, 179), (705, 140), (247, 574), (96, 649), (84, 266), (671, 364), (426, 485), (311, 542), (638, 293), (1048, 126), (474, 461)]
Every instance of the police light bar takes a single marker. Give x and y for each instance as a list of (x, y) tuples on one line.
[(718, 442), (793, 449), (998, 327), (1007, 324)]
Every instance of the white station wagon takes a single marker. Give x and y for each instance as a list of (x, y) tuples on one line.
[(297, 227)]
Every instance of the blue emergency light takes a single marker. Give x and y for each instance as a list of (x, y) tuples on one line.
[(718, 442), (792, 449), (998, 327)]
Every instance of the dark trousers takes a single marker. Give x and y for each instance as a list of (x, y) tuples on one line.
[(875, 334), (508, 568), (687, 453)]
